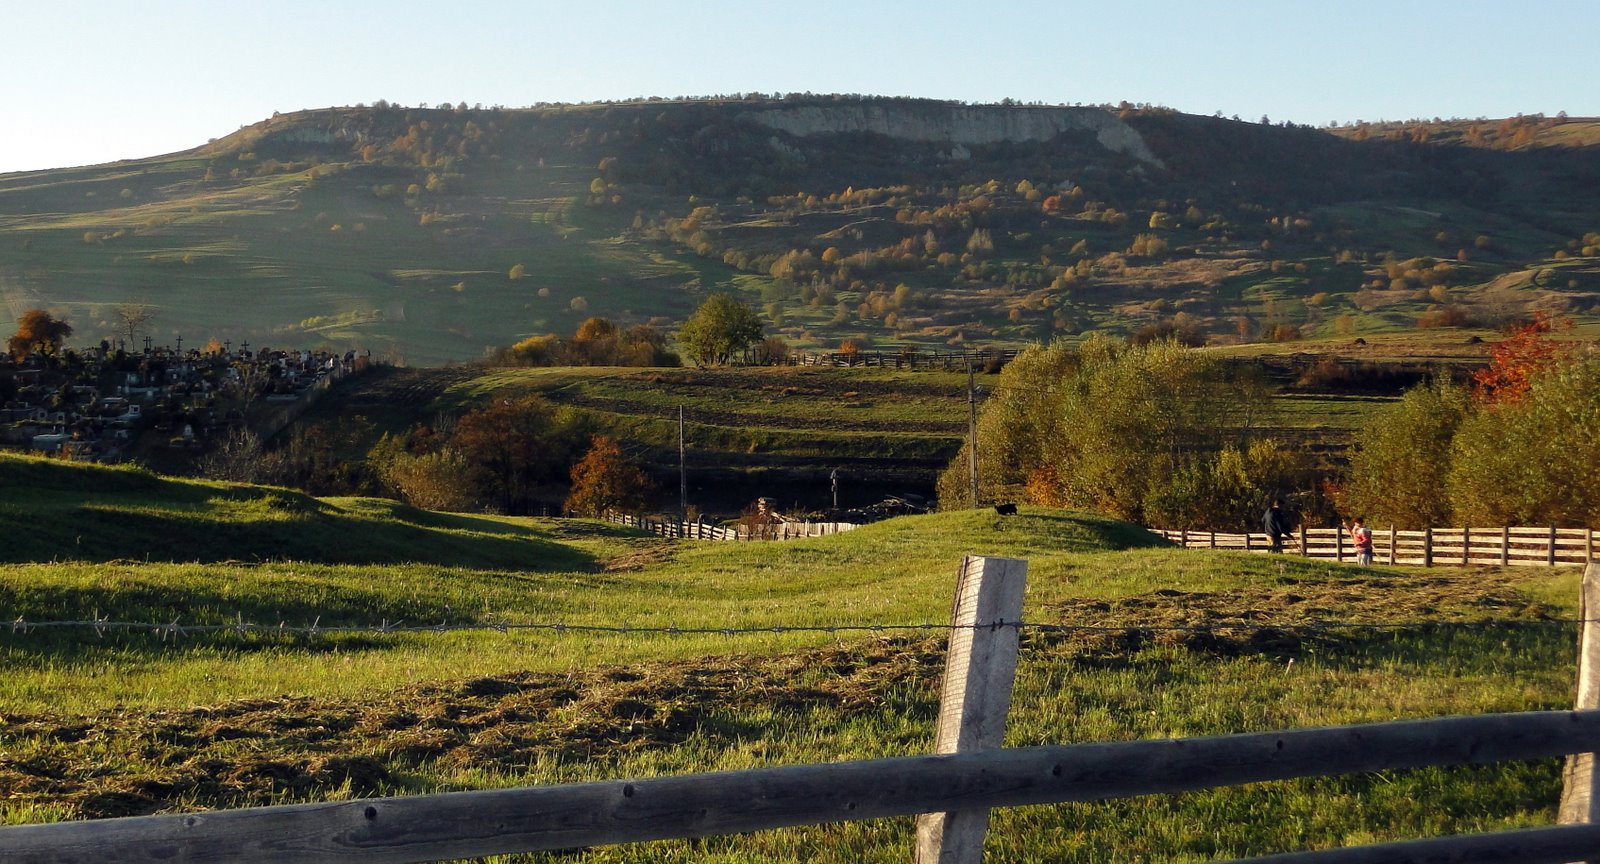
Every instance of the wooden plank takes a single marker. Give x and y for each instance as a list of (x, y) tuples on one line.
[(469, 824), (980, 667), (1526, 846), (1580, 797)]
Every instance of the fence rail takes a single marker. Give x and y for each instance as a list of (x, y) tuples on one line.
[(1504, 546), (904, 359), (471, 824), (701, 531)]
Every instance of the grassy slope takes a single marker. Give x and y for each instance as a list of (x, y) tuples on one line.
[(132, 723)]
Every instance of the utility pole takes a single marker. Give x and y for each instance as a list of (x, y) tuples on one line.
[(683, 477), (972, 435)]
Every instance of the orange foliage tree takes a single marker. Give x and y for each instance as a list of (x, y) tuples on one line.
[(1516, 359), (605, 480), (38, 330)]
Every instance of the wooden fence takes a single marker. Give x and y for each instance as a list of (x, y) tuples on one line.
[(952, 790), (700, 531), (1543, 547)]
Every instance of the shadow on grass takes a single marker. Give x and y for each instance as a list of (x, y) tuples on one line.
[(275, 529)]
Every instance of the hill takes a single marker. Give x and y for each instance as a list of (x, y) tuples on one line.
[(434, 235)]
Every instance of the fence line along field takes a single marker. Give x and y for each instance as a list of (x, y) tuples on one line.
[(1505, 546), (1182, 644)]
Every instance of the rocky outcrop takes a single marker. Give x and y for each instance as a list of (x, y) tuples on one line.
[(959, 124)]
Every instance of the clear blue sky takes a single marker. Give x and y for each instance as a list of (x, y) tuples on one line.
[(90, 81)]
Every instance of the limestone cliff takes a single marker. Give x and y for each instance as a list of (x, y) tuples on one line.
[(959, 124)]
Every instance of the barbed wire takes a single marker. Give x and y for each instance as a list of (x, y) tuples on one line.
[(176, 629)]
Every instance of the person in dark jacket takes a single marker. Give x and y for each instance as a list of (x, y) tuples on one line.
[(1276, 523)]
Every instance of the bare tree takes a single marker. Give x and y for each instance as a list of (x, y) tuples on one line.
[(133, 317)]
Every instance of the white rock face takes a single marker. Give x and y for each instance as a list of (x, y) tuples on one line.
[(959, 124)]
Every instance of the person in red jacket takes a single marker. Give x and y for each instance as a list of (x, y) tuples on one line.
[(1361, 535)]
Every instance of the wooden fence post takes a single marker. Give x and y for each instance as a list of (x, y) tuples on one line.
[(1427, 546), (1303, 552), (1247, 541), (976, 693), (1466, 545), (1588, 545), (1580, 800), (1338, 544), (1392, 536), (1505, 545), (1213, 539), (1550, 557)]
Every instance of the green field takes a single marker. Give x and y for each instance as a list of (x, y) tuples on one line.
[(131, 722)]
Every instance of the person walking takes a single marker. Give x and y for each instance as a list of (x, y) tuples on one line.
[(1361, 535), (1276, 523)]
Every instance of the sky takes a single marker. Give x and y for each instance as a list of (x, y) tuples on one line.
[(91, 81)]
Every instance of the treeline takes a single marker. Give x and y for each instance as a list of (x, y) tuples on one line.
[(596, 342), (1520, 445), (1152, 433), (1159, 434)]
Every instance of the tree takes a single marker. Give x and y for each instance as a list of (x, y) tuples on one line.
[(1534, 460), (722, 327), (133, 317), (1526, 351), (605, 480), (510, 446), (38, 331), (1401, 459)]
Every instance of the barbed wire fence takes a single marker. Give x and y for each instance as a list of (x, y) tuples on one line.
[(176, 629)]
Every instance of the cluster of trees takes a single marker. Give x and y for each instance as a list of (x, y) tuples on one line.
[(508, 456), (1520, 446), (505, 456), (1153, 433), (596, 342)]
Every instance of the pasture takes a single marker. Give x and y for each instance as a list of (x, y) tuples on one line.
[(1193, 643)]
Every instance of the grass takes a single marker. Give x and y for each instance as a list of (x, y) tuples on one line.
[(132, 723)]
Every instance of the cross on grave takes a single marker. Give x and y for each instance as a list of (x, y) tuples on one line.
[(244, 347), (227, 346), (180, 344), (147, 344)]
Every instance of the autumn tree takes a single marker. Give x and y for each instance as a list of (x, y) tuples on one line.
[(1525, 351), (38, 331), (605, 480), (513, 445), (722, 327)]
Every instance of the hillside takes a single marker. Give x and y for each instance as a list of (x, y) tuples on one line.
[(874, 220)]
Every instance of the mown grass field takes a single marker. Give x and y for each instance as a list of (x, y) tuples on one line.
[(133, 723)]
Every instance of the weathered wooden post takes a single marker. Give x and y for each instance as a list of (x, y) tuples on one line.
[(1588, 545), (1580, 799), (1550, 553), (1505, 546), (1213, 539), (1303, 552), (1338, 544), (1427, 546), (976, 693), (1247, 541), (1466, 545), (1392, 535)]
